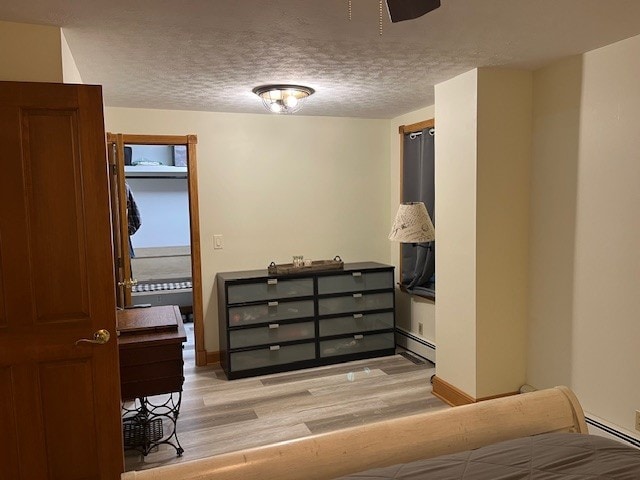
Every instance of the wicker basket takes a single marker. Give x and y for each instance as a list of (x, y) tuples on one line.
[(139, 432)]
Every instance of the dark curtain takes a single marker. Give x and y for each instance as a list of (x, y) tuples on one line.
[(418, 260)]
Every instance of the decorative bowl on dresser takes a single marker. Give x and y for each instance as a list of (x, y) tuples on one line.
[(273, 323)]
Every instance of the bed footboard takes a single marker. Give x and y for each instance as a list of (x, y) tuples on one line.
[(389, 442)]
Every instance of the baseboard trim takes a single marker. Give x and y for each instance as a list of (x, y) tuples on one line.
[(416, 345), (450, 394), (456, 397), (201, 358), (500, 395), (213, 357)]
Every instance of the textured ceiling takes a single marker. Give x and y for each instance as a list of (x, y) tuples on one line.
[(209, 54)]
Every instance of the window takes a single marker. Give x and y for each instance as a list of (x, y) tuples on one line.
[(417, 262)]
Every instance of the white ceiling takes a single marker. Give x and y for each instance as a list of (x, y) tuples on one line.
[(209, 54)]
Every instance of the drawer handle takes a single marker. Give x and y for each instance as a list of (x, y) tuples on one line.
[(357, 274), (274, 325), (358, 337), (272, 281), (357, 295), (273, 304), (273, 348), (357, 315)]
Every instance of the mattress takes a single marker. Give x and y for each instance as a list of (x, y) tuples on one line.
[(552, 456)]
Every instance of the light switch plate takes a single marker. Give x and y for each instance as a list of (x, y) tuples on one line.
[(218, 243)]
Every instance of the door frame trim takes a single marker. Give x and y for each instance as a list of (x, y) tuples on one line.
[(190, 141)]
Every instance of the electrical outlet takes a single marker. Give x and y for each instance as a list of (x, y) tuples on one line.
[(638, 420), (420, 328), (218, 244)]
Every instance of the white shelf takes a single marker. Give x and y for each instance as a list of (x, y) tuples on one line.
[(154, 171)]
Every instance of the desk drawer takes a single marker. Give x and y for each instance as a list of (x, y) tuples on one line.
[(151, 387), (275, 355), (271, 334), (357, 302), (269, 312), (356, 323), (270, 289), (357, 344), (148, 371), (355, 282), (140, 355)]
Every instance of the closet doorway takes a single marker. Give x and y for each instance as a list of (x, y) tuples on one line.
[(154, 192)]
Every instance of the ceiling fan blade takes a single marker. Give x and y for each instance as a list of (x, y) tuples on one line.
[(400, 10)]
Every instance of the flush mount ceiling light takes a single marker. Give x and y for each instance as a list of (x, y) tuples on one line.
[(283, 98)]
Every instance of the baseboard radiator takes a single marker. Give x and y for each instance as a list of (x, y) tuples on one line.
[(598, 427), (425, 349), (415, 344)]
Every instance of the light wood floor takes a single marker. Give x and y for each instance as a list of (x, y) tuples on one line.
[(219, 416)]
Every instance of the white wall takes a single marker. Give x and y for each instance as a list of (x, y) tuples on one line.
[(30, 53), (163, 203), (410, 310), (502, 228), (164, 210), (70, 72), (275, 186), (584, 326), (482, 195), (455, 188)]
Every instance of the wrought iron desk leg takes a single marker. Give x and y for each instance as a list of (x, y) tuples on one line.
[(144, 424)]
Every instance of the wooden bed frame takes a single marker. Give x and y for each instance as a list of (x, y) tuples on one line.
[(389, 442)]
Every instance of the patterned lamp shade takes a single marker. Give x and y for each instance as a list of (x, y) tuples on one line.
[(412, 224)]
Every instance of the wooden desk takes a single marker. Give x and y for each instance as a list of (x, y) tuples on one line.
[(150, 344)]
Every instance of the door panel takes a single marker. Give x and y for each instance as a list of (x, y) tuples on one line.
[(60, 402), (59, 383), (55, 186), (9, 437)]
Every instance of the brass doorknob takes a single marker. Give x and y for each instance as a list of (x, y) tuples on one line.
[(101, 337)]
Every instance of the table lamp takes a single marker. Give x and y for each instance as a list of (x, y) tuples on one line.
[(412, 224)]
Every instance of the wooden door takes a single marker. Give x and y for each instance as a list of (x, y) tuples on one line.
[(59, 402), (120, 225)]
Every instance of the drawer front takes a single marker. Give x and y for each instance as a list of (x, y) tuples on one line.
[(269, 312), (133, 354), (360, 322), (272, 334), (355, 282), (270, 289), (266, 357), (149, 371), (151, 386), (355, 303), (357, 344)]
